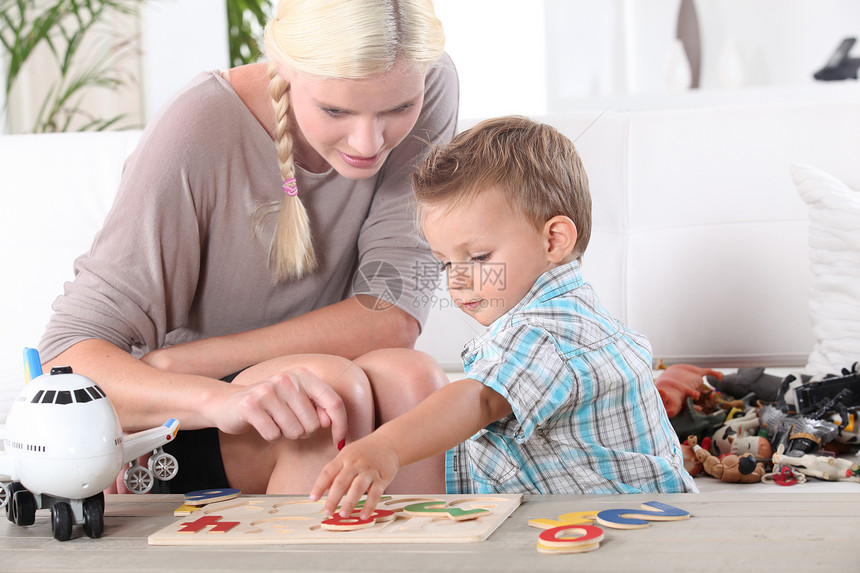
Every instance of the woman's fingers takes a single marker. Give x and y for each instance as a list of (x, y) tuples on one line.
[(326, 399), (294, 411), (294, 404)]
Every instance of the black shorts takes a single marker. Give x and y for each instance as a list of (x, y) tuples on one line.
[(199, 455)]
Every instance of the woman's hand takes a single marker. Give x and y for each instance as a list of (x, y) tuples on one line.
[(294, 404), (367, 465)]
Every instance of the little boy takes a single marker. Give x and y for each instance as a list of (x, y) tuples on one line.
[(559, 396)]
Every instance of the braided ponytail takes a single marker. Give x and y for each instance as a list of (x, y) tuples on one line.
[(291, 249)]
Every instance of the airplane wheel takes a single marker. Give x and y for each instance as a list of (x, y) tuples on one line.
[(100, 497), (163, 466), (23, 508), (4, 496), (61, 521), (10, 489), (94, 522), (138, 479)]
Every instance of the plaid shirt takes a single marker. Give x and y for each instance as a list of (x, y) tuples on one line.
[(587, 417)]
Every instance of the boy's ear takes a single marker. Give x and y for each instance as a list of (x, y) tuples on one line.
[(559, 235)]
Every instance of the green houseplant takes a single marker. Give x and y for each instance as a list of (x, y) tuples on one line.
[(245, 21), (62, 26)]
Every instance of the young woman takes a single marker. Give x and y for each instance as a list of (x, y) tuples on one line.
[(267, 213)]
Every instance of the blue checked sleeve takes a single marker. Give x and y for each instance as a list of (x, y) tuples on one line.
[(523, 364)]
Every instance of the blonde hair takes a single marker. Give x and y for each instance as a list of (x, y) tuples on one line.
[(535, 168), (344, 39)]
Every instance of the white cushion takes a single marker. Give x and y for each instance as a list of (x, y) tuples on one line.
[(57, 189), (834, 244)]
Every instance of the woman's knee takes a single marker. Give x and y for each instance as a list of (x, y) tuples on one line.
[(347, 380), (249, 461), (400, 379), (336, 370)]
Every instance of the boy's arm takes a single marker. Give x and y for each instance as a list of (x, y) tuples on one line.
[(447, 417)]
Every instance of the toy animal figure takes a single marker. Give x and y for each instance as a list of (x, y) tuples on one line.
[(734, 428), (691, 462), (679, 381), (691, 421), (731, 468), (758, 446), (763, 386), (823, 467)]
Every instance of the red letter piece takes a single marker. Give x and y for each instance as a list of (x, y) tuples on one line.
[(555, 541), (354, 521), (338, 523), (218, 526)]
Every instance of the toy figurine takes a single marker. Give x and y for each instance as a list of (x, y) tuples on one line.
[(691, 462), (730, 468), (757, 446), (680, 381), (733, 428), (764, 387), (64, 446), (691, 421), (823, 467), (799, 435)]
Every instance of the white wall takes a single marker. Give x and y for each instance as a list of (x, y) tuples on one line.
[(542, 56), (181, 38), (500, 52), (561, 55), (779, 42)]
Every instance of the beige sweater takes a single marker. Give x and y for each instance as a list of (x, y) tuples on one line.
[(176, 259)]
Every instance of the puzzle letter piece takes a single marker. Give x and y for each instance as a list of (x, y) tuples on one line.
[(205, 496), (218, 526), (572, 518), (439, 509), (559, 540), (637, 518), (185, 509), (353, 522), (361, 502)]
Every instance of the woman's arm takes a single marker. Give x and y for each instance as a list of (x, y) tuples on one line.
[(348, 328), (144, 397), (447, 417)]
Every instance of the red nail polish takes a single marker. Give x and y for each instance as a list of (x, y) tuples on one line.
[(341, 444)]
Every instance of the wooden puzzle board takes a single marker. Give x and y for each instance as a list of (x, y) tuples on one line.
[(265, 520)]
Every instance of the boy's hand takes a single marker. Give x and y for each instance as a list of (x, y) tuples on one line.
[(367, 465)]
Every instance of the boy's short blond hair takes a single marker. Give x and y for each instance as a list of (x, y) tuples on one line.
[(534, 166)]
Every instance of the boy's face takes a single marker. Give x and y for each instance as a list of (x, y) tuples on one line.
[(491, 253)]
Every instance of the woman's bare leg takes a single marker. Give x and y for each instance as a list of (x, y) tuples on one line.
[(400, 379), (254, 465)]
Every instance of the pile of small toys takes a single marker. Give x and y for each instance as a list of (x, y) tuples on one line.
[(751, 426)]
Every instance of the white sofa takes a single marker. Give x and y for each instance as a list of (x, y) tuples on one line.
[(700, 239)]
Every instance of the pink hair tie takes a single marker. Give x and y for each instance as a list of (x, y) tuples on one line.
[(290, 187)]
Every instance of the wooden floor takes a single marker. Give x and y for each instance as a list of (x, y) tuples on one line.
[(731, 530)]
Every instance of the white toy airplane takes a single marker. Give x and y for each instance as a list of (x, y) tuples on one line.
[(64, 446)]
